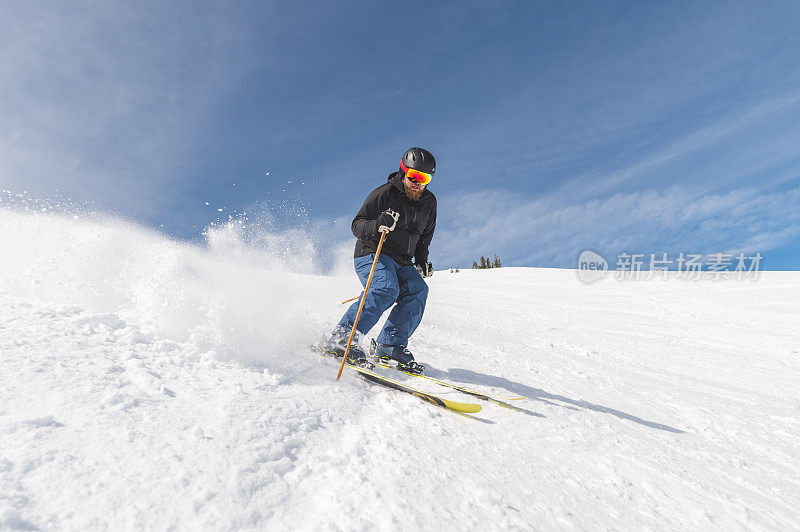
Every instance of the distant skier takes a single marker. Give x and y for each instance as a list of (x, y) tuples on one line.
[(407, 209)]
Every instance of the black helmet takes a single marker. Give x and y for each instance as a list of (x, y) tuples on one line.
[(419, 159)]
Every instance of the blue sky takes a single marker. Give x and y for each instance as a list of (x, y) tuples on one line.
[(638, 127)]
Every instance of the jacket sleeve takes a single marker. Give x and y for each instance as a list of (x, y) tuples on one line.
[(421, 253), (365, 223)]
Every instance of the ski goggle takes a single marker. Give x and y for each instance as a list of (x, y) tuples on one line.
[(415, 175)]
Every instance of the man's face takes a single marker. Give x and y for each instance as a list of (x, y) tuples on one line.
[(413, 189)]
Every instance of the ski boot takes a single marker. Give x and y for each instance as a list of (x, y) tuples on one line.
[(402, 357), (337, 344)]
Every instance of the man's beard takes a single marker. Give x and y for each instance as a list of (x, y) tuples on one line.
[(413, 195)]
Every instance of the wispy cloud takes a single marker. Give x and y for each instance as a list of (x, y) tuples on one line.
[(551, 231), (721, 130), (712, 188), (103, 100), (665, 127)]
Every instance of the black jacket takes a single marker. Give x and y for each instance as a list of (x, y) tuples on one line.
[(414, 230)]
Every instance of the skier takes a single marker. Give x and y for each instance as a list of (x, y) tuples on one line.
[(405, 208)]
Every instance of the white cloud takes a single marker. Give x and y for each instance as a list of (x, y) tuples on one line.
[(694, 193), (553, 230), (761, 154)]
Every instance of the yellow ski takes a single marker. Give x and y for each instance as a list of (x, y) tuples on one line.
[(455, 406), (479, 395)]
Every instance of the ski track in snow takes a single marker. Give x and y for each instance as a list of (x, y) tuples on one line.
[(148, 384)]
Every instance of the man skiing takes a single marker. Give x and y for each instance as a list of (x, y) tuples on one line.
[(406, 209)]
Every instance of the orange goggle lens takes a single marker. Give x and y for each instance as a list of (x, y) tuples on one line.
[(420, 177), (415, 175)]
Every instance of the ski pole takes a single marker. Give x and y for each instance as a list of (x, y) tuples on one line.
[(351, 299), (361, 306)]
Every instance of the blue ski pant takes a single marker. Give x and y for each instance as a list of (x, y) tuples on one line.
[(391, 283)]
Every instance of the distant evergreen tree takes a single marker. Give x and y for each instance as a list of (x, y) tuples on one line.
[(487, 263)]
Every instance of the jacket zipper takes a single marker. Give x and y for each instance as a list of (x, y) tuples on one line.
[(411, 251)]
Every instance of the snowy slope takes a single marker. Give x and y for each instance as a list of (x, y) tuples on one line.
[(149, 384)]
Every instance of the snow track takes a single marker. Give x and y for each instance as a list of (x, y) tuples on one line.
[(147, 384)]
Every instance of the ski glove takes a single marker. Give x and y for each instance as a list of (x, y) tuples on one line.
[(387, 220), (425, 269)]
